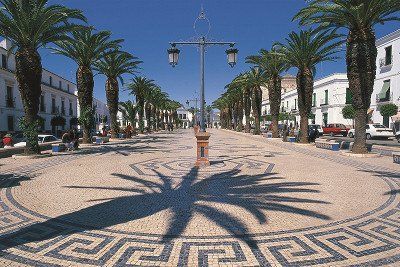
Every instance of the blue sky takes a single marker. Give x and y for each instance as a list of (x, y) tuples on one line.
[(149, 25)]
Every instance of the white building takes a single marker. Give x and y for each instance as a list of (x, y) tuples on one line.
[(185, 116), (57, 99), (331, 93), (387, 83)]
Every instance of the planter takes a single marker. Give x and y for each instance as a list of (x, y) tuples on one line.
[(58, 148)]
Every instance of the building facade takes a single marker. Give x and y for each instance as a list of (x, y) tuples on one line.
[(185, 116), (387, 82), (332, 93), (57, 98)]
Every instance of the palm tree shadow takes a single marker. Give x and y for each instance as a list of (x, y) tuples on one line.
[(193, 195)]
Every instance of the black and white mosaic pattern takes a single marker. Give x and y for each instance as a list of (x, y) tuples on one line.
[(371, 239)]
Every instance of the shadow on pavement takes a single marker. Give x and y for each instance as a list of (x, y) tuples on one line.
[(257, 194)]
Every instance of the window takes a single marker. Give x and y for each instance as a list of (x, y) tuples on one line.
[(42, 104), (295, 104), (63, 107), (4, 61), (314, 99), (51, 81), (71, 111), (60, 84), (10, 123), (326, 97), (349, 96), (184, 116), (53, 105), (68, 87), (10, 97), (388, 55)]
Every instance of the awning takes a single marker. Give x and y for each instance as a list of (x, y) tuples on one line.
[(385, 89)]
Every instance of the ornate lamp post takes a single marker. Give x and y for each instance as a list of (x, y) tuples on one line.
[(173, 56)]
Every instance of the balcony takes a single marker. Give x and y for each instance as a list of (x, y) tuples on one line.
[(387, 99), (10, 102), (385, 62), (323, 102)]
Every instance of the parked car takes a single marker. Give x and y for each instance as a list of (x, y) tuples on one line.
[(375, 131), (335, 129), (316, 127), (42, 138)]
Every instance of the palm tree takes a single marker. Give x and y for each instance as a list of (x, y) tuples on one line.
[(128, 110), (304, 51), (274, 64), (359, 18), (86, 47), (113, 66), (240, 82), (254, 79), (30, 25), (157, 99), (140, 87)]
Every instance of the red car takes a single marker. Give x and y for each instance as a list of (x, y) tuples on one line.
[(336, 129)]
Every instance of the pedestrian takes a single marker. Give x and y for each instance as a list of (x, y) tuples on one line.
[(66, 140), (129, 131)]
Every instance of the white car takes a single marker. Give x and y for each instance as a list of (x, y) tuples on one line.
[(375, 130), (42, 138)]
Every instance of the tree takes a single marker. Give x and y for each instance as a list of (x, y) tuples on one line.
[(254, 79), (359, 19), (31, 25), (240, 81), (349, 113), (274, 64), (140, 87), (304, 51), (86, 47), (57, 121), (389, 110), (113, 66), (128, 110)]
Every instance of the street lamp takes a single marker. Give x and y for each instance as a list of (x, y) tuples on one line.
[(232, 56), (173, 55)]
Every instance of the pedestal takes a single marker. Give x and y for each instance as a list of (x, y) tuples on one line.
[(202, 149)]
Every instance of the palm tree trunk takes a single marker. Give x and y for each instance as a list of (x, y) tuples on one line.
[(256, 104), (85, 84), (112, 91), (305, 83), (140, 105), (247, 108), (361, 71), (240, 115), (274, 93), (29, 76)]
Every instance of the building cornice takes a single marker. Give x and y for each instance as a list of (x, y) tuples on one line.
[(387, 38)]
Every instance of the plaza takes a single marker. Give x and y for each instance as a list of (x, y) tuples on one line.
[(141, 202)]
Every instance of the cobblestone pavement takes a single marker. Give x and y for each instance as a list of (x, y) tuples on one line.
[(142, 203)]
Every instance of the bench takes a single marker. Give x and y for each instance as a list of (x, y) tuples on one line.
[(334, 146), (55, 148), (102, 139), (396, 157), (291, 139)]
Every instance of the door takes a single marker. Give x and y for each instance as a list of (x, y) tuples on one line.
[(10, 123), (386, 121)]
